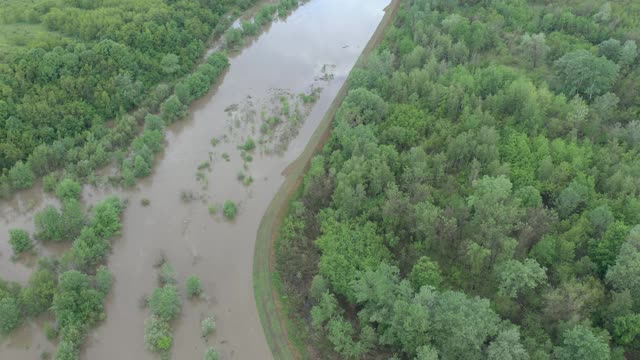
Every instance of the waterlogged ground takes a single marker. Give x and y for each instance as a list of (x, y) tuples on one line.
[(203, 166)]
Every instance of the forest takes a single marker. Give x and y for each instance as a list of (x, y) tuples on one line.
[(478, 197)]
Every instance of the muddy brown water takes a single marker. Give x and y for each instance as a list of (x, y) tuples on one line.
[(288, 58)]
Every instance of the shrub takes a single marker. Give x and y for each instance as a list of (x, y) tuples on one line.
[(53, 225), (145, 202), (165, 302), (230, 210), (49, 182), (211, 354), (194, 286), (250, 28), (213, 209), (88, 250), (50, 332), (104, 280), (157, 335), (10, 316), (106, 219), (167, 274), (21, 176), (19, 241), (233, 38), (249, 145), (68, 189), (208, 326), (37, 296)]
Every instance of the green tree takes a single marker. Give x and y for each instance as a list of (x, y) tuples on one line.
[(157, 335), (341, 260), (68, 189), (10, 316), (88, 250), (211, 354), (167, 274), (49, 224), (173, 109), (610, 49), (104, 280), (21, 176), (625, 274), (165, 302), (507, 346), (76, 303), (207, 326), (515, 276), (37, 296), (580, 72), (425, 272), (194, 286), (461, 325), (535, 48), (20, 241), (581, 343), (629, 53), (106, 218), (626, 328), (170, 64), (230, 209)]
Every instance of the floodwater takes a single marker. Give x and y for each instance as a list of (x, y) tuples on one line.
[(315, 47)]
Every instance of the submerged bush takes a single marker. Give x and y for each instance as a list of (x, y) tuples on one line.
[(194, 286), (230, 210), (19, 241), (68, 189), (208, 326), (211, 354), (165, 302), (157, 335), (10, 316)]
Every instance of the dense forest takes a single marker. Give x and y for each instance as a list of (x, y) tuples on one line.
[(479, 195)]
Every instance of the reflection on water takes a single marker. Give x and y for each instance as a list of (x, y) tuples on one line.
[(289, 58)]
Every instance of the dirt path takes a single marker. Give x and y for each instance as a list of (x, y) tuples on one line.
[(274, 321)]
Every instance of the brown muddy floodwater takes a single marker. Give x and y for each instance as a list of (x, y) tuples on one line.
[(315, 47)]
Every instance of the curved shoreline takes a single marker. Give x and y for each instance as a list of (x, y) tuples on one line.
[(267, 298)]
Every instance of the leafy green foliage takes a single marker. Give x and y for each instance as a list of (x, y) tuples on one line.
[(207, 326), (10, 316), (211, 354), (20, 241), (64, 225), (229, 209), (167, 274), (425, 272), (582, 73), (68, 189), (477, 196), (515, 276), (581, 343), (37, 296), (158, 335), (194, 286), (165, 302)]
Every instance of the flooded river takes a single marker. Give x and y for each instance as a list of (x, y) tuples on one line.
[(314, 48)]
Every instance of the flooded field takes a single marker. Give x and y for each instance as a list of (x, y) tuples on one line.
[(273, 96)]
